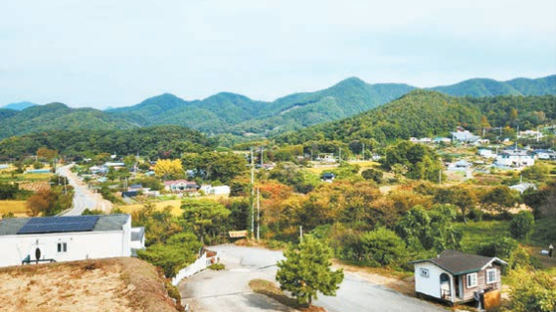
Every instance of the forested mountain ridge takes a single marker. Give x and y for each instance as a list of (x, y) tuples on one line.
[(159, 141), (481, 87), (57, 116), (422, 113), (230, 113)]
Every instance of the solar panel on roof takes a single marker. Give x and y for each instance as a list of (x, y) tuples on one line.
[(59, 224)]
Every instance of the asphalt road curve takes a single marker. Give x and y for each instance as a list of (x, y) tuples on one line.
[(228, 291)]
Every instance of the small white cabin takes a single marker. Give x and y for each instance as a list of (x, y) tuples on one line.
[(457, 277), (66, 238)]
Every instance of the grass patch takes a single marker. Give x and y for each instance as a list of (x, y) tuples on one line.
[(217, 267), (544, 233), (477, 233), (270, 289)]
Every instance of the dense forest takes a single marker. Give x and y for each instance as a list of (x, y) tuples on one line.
[(428, 113), (155, 142), (241, 117)]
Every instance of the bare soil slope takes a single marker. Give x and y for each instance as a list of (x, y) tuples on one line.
[(117, 284)]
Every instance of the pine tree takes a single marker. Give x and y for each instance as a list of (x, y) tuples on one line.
[(306, 271)]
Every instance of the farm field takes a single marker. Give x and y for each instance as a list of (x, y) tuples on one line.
[(17, 207), (159, 205)]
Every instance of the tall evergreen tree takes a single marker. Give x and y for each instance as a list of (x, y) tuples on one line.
[(306, 271)]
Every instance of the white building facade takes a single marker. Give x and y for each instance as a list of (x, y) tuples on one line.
[(67, 238)]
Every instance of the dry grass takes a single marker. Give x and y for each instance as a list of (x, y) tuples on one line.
[(175, 204), (159, 205), (118, 284), (270, 289), (17, 207), (399, 281)]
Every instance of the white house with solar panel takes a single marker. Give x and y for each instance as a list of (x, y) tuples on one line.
[(67, 238)]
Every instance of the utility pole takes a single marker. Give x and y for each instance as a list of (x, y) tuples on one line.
[(301, 233), (258, 213), (262, 156), (440, 176), (252, 193), (363, 151)]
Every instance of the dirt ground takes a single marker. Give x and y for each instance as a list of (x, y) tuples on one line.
[(119, 284)]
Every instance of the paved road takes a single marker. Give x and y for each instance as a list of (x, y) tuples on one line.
[(83, 198), (229, 291)]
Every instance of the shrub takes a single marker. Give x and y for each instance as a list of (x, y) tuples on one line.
[(532, 291), (376, 248), (217, 267), (522, 224), (372, 174), (501, 248)]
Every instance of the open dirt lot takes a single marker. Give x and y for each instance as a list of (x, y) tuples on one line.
[(119, 284)]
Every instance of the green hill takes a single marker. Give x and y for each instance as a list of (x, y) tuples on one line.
[(229, 112), (159, 141), (423, 113), (488, 87), (238, 115), (56, 116)]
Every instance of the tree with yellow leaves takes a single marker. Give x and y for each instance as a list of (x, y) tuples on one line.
[(168, 168)]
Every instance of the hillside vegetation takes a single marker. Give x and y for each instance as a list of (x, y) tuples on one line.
[(428, 113), (160, 141), (229, 113), (57, 116)]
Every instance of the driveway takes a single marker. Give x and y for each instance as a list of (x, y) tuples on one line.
[(229, 291), (83, 198)]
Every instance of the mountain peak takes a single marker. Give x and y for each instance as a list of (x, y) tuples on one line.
[(351, 81), (19, 105)]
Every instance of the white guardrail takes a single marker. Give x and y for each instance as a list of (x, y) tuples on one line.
[(200, 264)]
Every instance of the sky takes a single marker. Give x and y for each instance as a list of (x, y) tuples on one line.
[(118, 53)]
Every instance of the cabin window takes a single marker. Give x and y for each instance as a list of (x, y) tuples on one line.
[(62, 247), (471, 280), (424, 272), (491, 276)]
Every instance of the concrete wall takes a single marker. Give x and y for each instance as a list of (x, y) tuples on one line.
[(80, 245)]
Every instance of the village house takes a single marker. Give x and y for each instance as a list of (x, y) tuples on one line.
[(464, 136), (441, 140), (180, 186), (514, 158), (545, 154), (460, 165), (486, 153), (221, 190), (67, 238), (523, 186), (456, 277), (328, 177)]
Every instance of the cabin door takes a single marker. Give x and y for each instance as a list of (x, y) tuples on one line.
[(445, 287)]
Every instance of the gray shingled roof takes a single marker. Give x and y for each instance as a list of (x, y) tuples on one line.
[(10, 226), (458, 263)]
